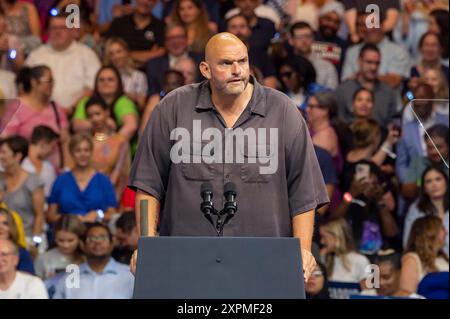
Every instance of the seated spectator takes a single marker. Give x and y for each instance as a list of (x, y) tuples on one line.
[(343, 263), (395, 60), (436, 147), (297, 77), (367, 76), (69, 232), (37, 108), (423, 253), (432, 201), (317, 285), (109, 88), (15, 284), (327, 44), (12, 54), (177, 47), (301, 38), (127, 237), (9, 231), (116, 53), (389, 264), (370, 207), (411, 144), (436, 79), (72, 64), (23, 22), (320, 110), (42, 142), (143, 33), (430, 52), (438, 23), (23, 192), (263, 29), (82, 191), (240, 27), (186, 66), (193, 16), (172, 80), (101, 277), (111, 154)]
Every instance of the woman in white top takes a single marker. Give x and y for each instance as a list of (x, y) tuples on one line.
[(69, 232), (343, 263), (432, 201), (423, 253), (116, 53)]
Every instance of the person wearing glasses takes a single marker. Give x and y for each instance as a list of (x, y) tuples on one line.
[(124, 114), (37, 108), (15, 284), (101, 277)]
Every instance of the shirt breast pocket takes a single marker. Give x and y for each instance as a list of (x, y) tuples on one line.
[(200, 167), (255, 160)]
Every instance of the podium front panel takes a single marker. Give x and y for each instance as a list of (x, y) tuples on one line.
[(219, 268)]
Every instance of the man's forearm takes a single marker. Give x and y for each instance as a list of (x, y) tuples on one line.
[(303, 227), (153, 213)]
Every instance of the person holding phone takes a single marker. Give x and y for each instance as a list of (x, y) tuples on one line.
[(370, 205)]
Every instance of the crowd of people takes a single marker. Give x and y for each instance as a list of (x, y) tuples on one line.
[(74, 102)]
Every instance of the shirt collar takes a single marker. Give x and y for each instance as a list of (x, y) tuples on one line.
[(110, 268), (256, 105)]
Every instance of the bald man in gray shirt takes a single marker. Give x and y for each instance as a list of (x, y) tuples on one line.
[(229, 128)]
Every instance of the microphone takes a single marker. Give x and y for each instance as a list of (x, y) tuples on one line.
[(230, 206), (207, 206)]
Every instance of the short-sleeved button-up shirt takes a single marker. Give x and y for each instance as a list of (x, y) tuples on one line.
[(277, 175)]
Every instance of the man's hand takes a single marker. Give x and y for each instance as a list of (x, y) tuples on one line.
[(309, 264), (133, 262)]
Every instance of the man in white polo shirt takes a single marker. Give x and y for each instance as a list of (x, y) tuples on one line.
[(73, 65), (15, 284)]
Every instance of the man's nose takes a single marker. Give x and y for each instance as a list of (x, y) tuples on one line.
[(236, 69)]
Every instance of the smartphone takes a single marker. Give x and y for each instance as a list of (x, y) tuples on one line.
[(362, 172)]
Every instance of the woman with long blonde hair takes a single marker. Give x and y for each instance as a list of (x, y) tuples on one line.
[(343, 263), (193, 15), (423, 253)]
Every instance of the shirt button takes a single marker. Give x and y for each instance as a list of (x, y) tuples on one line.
[(227, 176)]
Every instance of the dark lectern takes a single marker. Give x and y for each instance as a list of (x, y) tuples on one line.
[(219, 268)]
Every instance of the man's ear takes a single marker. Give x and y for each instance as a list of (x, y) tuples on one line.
[(205, 70)]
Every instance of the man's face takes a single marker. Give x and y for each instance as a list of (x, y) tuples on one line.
[(329, 25), (389, 279), (176, 41), (240, 28), (369, 64), (144, 7), (229, 70), (59, 35), (247, 7), (127, 240), (8, 259), (441, 147), (45, 148), (98, 243), (302, 41)]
